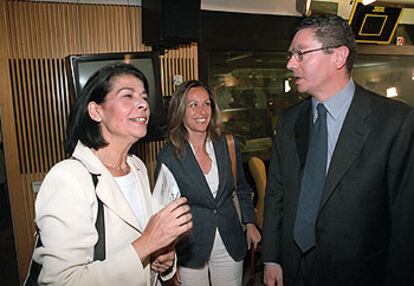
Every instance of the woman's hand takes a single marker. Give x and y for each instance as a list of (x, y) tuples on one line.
[(175, 280), (164, 227), (163, 259), (253, 236)]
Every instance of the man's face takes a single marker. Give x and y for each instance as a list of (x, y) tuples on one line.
[(314, 72)]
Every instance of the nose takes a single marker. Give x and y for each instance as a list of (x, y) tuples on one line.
[(203, 109), (291, 63), (142, 104)]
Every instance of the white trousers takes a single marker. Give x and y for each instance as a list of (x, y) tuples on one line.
[(224, 271)]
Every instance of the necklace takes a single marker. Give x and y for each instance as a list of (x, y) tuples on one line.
[(119, 168)]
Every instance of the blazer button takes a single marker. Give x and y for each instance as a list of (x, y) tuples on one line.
[(214, 211)]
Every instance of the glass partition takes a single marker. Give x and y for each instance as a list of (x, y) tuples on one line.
[(387, 75), (253, 87)]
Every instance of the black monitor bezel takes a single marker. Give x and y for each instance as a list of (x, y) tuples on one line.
[(157, 122)]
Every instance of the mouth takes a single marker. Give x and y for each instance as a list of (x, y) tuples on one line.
[(200, 120), (297, 78), (141, 119)]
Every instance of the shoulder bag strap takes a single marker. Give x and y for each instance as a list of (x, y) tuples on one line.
[(232, 153), (99, 249)]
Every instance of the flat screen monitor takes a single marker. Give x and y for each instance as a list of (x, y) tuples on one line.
[(81, 67)]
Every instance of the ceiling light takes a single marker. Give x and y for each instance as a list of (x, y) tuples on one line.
[(367, 2), (230, 81), (287, 86), (392, 92)]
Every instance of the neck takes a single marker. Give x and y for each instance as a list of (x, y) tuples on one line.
[(122, 167), (197, 139), (332, 88), (113, 158)]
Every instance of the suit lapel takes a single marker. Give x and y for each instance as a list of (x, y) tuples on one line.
[(107, 189), (350, 142), (110, 194), (302, 129), (223, 166), (194, 172)]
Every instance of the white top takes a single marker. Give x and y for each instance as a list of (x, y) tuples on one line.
[(129, 187), (166, 188), (212, 177)]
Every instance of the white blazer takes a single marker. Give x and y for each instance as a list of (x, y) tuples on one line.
[(66, 210)]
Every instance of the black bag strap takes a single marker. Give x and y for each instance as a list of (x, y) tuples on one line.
[(99, 251), (34, 267)]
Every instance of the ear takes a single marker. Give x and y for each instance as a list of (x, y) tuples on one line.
[(94, 111), (340, 57)]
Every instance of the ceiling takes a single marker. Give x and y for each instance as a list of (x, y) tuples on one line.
[(276, 7), (404, 2), (232, 4)]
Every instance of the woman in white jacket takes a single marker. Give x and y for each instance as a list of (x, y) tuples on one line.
[(110, 115)]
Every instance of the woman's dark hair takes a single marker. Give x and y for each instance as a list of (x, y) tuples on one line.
[(81, 127), (177, 133)]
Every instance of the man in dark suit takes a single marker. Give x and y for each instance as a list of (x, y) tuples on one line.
[(339, 207)]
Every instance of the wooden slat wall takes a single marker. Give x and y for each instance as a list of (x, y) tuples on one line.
[(34, 100), (181, 61)]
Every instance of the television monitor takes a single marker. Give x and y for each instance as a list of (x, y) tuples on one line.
[(81, 67)]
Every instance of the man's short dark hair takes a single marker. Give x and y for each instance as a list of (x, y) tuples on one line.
[(81, 127), (332, 30)]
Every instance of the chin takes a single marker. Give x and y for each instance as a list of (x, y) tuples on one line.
[(140, 136), (301, 89)]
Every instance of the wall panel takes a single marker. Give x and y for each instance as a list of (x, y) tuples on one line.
[(34, 99)]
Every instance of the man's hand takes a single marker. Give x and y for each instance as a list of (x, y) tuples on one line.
[(273, 275)]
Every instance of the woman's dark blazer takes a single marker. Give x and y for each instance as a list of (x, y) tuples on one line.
[(208, 212)]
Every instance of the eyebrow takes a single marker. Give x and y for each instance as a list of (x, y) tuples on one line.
[(124, 88), (297, 48), (194, 100), (131, 89)]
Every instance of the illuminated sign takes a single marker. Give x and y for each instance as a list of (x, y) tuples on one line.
[(374, 24)]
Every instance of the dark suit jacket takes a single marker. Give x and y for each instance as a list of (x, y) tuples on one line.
[(365, 222), (208, 212)]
